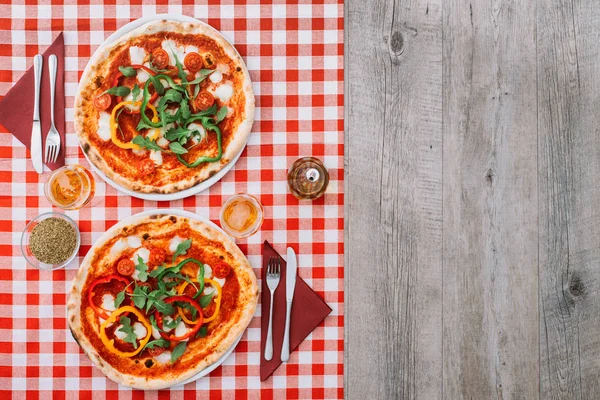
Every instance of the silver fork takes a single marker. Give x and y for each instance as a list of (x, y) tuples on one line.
[(53, 138), (273, 275)]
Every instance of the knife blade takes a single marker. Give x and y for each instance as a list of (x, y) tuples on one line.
[(36, 128), (290, 285)]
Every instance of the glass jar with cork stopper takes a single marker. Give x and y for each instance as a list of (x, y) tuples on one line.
[(308, 178)]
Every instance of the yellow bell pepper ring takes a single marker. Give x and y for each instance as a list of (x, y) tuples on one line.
[(110, 343), (114, 124), (217, 300)]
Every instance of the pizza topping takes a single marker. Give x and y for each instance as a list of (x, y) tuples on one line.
[(208, 271), (134, 242), (204, 100), (156, 350), (100, 311), (190, 332), (137, 55), (193, 63), (216, 77), (174, 244), (109, 343), (114, 125), (181, 248), (126, 267), (104, 126), (108, 302), (224, 92), (163, 358), (156, 156), (221, 270), (102, 102), (160, 59), (205, 299)]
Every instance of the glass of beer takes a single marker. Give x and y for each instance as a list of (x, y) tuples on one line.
[(241, 215)]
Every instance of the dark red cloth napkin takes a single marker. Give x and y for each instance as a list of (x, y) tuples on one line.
[(16, 108), (308, 310)]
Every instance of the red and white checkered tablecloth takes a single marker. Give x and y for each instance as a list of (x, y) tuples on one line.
[(294, 51)]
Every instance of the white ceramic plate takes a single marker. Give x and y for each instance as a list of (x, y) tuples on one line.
[(202, 186), (196, 217)]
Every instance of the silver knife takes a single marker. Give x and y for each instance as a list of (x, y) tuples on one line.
[(36, 129), (290, 285)]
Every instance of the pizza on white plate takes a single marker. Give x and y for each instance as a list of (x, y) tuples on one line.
[(164, 107)]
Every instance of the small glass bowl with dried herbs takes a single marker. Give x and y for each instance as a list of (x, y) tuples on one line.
[(50, 241)]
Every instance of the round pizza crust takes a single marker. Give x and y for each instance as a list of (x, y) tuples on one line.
[(235, 146), (74, 306)]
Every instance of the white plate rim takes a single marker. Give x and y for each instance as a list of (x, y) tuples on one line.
[(200, 187), (191, 215)]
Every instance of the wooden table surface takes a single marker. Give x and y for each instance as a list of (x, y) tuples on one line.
[(472, 199)]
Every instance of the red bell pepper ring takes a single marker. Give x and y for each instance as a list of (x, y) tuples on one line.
[(120, 98), (191, 332), (101, 312)]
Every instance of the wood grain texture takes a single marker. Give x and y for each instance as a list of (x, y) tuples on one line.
[(490, 200), (482, 251), (569, 166), (394, 197)]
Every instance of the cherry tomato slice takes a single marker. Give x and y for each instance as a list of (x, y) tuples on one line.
[(160, 59), (146, 167), (102, 102), (204, 100), (126, 267), (157, 257), (156, 351), (193, 62), (221, 270)]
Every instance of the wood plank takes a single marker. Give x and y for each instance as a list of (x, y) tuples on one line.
[(569, 166), (490, 244), (393, 200)]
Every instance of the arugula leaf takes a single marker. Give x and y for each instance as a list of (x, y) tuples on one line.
[(153, 323), (185, 110), (157, 271), (181, 72), (139, 297), (146, 143), (210, 111), (127, 71), (119, 299), (173, 324), (119, 125), (188, 306), (120, 91), (143, 125), (196, 91), (142, 267), (205, 300), (158, 86), (178, 351), (162, 342), (203, 74), (179, 134), (202, 332), (127, 329), (163, 308), (177, 148), (182, 248), (172, 96), (221, 114), (135, 92)]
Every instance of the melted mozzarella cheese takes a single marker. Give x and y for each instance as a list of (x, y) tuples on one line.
[(207, 271), (108, 302), (162, 142), (208, 290), (190, 49), (216, 77), (117, 248), (142, 75), (140, 330), (137, 55), (139, 152), (104, 126), (197, 127), (220, 281), (223, 92), (223, 68), (173, 50), (155, 333), (181, 330), (174, 243), (120, 334), (164, 357), (145, 254), (167, 320), (134, 242), (156, 156)]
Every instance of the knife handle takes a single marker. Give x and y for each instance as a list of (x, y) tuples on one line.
[(52, 67), (285, 348), (38, 61)]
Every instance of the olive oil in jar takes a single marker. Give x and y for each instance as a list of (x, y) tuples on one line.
[(308, 178)]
